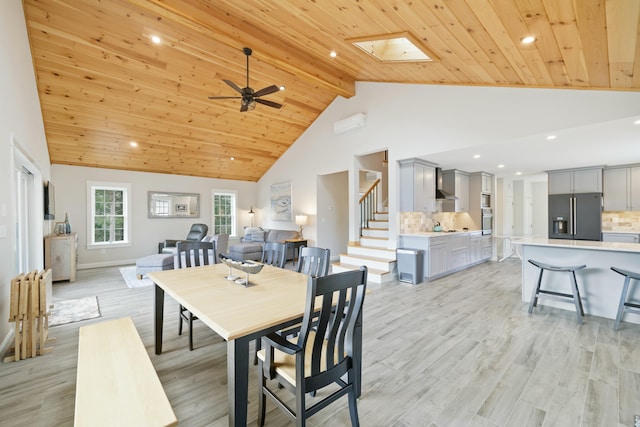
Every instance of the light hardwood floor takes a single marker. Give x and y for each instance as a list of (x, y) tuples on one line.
[(459, 351)]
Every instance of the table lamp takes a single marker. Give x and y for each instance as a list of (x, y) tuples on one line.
[(301, 220)]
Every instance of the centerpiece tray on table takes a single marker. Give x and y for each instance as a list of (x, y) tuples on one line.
[(252, 267)]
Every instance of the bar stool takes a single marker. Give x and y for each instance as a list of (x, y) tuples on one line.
[(624, 304), (575, 293)]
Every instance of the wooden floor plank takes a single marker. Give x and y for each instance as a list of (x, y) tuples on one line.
[(460, 350)]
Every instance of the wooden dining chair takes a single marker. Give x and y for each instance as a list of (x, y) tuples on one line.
[(322, 354), (274, 253), (313, 261), (193, 254)]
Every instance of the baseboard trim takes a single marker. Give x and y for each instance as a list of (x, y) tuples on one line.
[(106, 264)]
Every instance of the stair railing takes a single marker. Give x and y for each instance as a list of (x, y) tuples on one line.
[(368, 205)]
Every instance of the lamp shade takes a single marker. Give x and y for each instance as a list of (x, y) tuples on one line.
[(301, 220)]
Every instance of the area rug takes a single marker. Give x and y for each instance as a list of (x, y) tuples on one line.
[(74, 310), (129, 276)]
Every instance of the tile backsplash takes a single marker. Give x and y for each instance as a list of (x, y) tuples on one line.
[(418, 222), (627, 221)]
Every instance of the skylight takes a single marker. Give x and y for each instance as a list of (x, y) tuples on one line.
[(400, 47)]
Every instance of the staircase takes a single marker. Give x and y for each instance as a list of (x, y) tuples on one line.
[(372, 252)]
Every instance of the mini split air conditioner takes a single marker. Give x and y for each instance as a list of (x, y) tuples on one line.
[(353, 122)]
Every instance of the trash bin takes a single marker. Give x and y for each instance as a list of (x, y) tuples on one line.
[(410, 265)]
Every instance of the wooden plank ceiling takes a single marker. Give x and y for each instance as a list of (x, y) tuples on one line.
[(103, 83)]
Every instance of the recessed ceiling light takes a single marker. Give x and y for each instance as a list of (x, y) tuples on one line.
[(232, 158), (500, 166), (476, 156), (637, 122), (528, 39), (156, 39), (550, 137), (133, 144), (282, 87), (518, 173), (333, 54)]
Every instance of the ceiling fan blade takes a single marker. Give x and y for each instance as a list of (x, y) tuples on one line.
[(267, 90), (233, 85), (269, 103), (225, 97)]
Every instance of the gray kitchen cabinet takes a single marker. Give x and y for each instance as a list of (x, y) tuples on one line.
[(457, 183), (447, 253), (480, 186), (438, 264), (417, 186), (621, 188), (569, 181), (634, 191), (475, 247), (487, 247), (458, 251), (487, 183), (621, 237), (615, 182)]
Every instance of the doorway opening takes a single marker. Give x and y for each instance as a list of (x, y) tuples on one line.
[(28, 204)]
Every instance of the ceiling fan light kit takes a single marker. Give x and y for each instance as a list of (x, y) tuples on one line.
[(248, 96)]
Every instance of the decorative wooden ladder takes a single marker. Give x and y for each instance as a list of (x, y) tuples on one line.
[(29, 311)]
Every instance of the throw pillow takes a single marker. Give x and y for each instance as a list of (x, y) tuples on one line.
[(257, 236), (253, 234)]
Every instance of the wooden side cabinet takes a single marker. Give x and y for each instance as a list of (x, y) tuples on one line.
[(60, 255)]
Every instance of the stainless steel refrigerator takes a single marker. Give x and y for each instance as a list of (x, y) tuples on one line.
[(575, 216)]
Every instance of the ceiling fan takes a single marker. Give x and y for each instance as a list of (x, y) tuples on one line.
[(249, 96)]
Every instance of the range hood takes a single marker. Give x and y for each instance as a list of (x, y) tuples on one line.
[(440, 193)]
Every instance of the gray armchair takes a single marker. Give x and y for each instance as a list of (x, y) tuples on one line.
[(196, 234)]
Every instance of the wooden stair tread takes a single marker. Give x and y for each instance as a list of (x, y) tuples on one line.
[(375, 248), (369, 258), (355, 267)]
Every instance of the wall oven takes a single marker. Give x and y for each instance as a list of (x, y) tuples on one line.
[(487, 220)]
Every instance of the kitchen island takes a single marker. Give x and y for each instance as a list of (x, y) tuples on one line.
[(599, 286), (446, 252)]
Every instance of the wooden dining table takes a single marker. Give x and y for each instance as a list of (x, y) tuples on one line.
[(273, 300)]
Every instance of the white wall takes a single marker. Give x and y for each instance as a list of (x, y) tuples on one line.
[(418, 120), (540, 209), (21, 121), (332, 210), (71, 197)]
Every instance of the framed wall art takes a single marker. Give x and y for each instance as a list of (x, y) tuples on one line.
[(281, 201)]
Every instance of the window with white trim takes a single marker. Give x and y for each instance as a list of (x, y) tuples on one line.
[(224, 211), (108, 222)]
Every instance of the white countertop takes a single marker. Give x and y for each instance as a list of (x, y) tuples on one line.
[(439, 233), (578, 244)]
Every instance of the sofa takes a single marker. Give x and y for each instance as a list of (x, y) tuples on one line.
[(250, 246)]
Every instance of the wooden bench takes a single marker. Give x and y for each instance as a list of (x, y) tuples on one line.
[(117, 384)]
